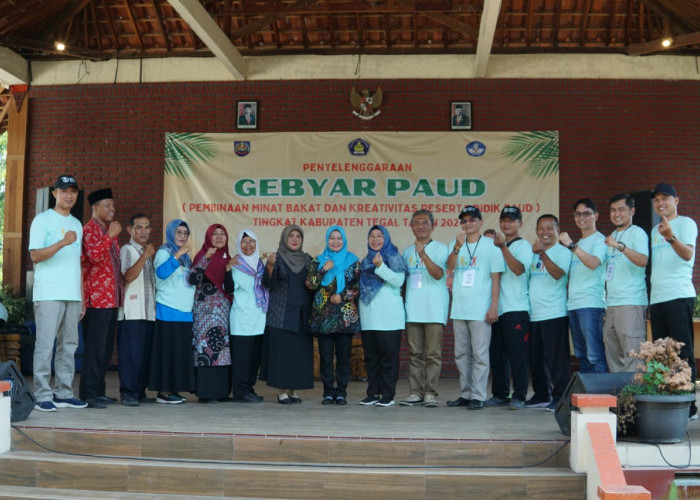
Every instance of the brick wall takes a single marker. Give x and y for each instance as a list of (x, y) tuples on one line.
[(615, 135)]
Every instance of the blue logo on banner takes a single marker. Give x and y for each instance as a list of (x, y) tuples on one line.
[(241, 148), (476, 148), (358, 147)]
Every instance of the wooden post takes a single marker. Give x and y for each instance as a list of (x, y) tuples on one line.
[(14, 188)]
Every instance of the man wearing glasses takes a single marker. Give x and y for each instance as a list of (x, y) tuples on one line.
[(672, 258), (427, 301), (478, 266), (586, 303), (624, 327)]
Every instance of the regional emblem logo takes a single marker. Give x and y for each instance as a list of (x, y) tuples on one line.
[(241, 148), (358, 147), (366, 104), (476, 148)]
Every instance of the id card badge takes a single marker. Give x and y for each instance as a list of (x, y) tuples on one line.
[(610, 271), (469, 277), (416, 281)]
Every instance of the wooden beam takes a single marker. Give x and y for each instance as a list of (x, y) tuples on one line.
[(14, 69), (48, 33), (677, 24), (159, 17), (135, 27), (196, 16), (12, 269), (267, 20), (455, 24), (487, 30), (639, 49)]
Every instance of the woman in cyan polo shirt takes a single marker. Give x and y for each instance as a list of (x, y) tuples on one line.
[(248, 312), (382, 316), (172, 370)]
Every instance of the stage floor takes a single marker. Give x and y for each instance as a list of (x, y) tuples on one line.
[(310, 418)]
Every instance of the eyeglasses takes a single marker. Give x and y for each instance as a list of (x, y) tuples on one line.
[(182, 233), (579, 215)]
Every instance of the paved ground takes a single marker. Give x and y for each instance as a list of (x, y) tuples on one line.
[(310, 418)]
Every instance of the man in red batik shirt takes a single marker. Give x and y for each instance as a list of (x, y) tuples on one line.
[(103, 286)]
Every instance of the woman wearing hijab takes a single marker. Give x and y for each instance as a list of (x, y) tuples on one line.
[(334, 275), (382, 316), (212, 306), (248, 314), (288, 351), (171, 357)]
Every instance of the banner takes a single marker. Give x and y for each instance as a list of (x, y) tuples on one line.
[(265, 181)]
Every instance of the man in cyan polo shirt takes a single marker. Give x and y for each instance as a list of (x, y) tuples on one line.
[(511, 333), (628, 252), (672, 258), (586, 302), (427, 301), (54, 247), (478, 265), (549, 323)]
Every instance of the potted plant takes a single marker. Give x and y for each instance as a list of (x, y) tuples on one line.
[(659, 399)]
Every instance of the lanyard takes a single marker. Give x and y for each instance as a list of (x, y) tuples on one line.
[(471, 255), (417, 257)]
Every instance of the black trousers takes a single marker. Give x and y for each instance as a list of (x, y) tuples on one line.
[(381, 361), (338, 346), (99, 327), (509, 355), (549, 357), (246, 351), (134, 340), (674, 319)]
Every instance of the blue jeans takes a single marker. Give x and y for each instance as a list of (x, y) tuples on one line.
[(587, 335)]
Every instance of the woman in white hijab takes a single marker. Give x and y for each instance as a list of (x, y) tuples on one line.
[(248, 312)]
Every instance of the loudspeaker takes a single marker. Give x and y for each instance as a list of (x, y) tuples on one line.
[(587, 383), (22, 398)]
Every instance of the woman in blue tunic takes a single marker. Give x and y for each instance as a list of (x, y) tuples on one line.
[(171, 369)]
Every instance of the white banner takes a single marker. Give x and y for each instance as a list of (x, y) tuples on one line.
[(265, 181)]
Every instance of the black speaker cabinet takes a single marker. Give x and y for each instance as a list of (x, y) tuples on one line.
[(22, 398), (587, 383)]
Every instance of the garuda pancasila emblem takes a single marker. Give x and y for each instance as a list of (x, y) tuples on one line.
[(366, 103)]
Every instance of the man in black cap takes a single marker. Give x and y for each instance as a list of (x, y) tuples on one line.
[(54, 247), (672, 258), (103, 287), (478, 265), (509, 339)]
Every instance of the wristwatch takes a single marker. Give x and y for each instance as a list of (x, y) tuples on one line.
[(571, 246), (671, 239), (621, 247)]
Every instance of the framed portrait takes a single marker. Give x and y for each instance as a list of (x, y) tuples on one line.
[(460, 115), (247, 114)]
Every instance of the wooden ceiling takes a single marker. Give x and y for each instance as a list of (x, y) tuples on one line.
[(105, 29)]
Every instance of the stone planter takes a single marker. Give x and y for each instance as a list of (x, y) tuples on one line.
[(662, 419)]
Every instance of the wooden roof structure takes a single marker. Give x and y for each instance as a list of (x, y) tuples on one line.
[(232, 29)]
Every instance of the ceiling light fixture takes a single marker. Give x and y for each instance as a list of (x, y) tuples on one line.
[(666, 42), (60, 46)]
